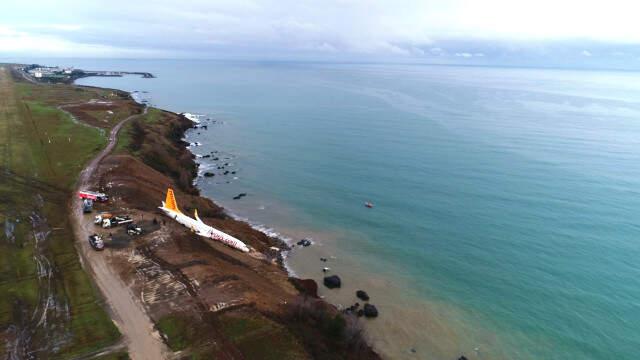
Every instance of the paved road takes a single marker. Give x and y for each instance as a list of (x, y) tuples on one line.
[(126, 310)]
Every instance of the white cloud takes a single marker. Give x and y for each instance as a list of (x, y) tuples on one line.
[(464, 55), (15, 41), (586, 53), (436, 51), (60, 27), (396, 27)]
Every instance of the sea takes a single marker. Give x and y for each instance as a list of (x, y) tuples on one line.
[(504, 200)]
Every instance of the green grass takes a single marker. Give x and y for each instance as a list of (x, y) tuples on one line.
[(178, 331), (124, 137), (153, 115), (258, 337), (255, 336), (62, 146), (45, 151)]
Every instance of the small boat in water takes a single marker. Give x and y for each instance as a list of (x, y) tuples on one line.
[(368, 204)]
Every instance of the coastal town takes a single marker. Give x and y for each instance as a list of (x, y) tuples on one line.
[(55, 74)]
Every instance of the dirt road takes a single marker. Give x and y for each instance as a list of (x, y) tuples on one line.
[(142, 340)]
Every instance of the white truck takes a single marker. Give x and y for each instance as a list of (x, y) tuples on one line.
[(108, 220)]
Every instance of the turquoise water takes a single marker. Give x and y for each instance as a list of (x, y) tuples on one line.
[(510, 195)]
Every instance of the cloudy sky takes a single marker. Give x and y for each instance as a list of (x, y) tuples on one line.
[(406, 30)]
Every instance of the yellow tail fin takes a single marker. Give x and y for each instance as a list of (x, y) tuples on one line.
[(170, 201)]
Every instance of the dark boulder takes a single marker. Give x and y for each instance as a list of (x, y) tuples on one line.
[(370, 311), (462, 358), (209, 174), (362, 295), (323, 259), (304, 242), (226, 172), (332, 281), (206, 156), (360, 313), (306, 286)]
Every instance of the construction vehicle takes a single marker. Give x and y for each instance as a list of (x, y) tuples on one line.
[(96, 242), (133, 229), (93, 196), (87, 205), (108, 220)]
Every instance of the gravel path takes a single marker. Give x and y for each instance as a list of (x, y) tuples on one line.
[(142, 341)]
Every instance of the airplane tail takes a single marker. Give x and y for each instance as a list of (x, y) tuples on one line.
[(170, 202)]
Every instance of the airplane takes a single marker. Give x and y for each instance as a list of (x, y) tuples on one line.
[(170, 208)]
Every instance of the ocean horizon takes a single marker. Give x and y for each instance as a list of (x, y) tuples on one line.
[(504, 198)]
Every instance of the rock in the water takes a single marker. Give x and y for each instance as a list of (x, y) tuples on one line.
[(239, 196), (323, 259), (304, 242), (209, 174), (370, 311), (206, 156), (226, 172), (332, 281), (362, 295)]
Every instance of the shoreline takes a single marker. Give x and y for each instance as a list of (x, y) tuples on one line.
[(282, 242), (286, 242), (411, 343)]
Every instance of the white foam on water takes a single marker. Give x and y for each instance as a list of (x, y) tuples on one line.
[(193, 117)]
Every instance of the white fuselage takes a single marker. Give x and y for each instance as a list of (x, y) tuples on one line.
[(205, 230)]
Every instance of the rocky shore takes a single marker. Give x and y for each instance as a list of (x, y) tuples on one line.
[(233, 300)]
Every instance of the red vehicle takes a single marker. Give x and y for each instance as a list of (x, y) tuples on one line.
[(94, 196)]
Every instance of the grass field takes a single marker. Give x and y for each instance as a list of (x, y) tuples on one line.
[(48, 307), (258, 337), (254, 335)]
